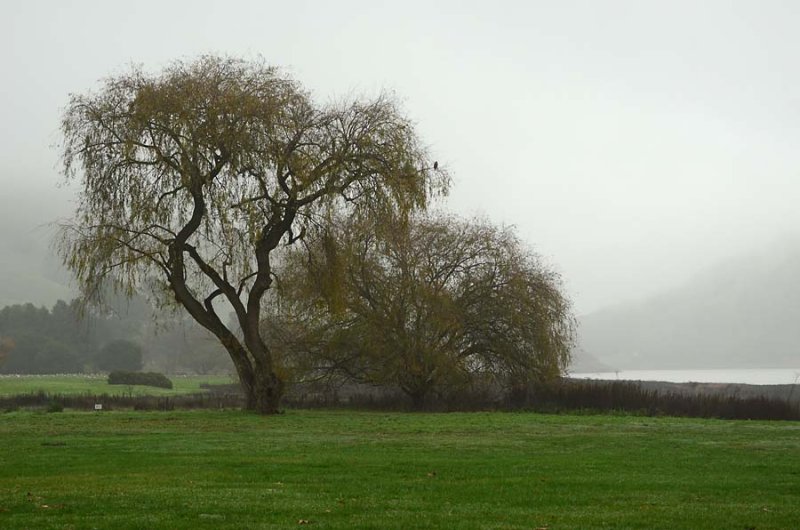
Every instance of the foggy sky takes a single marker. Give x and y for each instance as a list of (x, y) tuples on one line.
[(631, 143)]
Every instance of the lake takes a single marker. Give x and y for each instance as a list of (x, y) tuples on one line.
[(756, 376)]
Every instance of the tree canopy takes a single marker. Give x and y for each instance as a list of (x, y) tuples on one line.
[(120, 354), (37, 340), (192, 177), (69, 339), (427, 305)]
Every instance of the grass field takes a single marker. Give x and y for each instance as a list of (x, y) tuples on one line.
[(376, 470), (97, 384)]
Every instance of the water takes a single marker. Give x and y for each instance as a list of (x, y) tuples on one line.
[(759, 376)]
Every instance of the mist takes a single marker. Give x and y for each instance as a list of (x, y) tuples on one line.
[(633, 145)]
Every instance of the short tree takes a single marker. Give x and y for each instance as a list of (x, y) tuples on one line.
[(427, 305), (119, 354), (6, 345), (191, 178)]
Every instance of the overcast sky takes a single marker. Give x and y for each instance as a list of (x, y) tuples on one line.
[(632, 143)]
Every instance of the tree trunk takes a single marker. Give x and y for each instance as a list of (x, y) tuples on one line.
[(263, 388), (419, 398), (263, 392)]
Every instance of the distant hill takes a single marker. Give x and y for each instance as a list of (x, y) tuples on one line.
[(743, 313), (583, 362), (29, 269), (21, 286)]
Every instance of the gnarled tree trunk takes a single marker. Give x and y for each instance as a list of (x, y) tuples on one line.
[(262, 386), (263, 391)]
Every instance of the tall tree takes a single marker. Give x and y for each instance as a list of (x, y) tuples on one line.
[(191, 178), (427, 305)]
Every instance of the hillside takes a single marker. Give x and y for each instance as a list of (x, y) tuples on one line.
[(29, 280), (585, 362), (29, 269), (742, 313)]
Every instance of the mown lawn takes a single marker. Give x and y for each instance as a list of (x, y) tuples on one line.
[(327, 469), (98, 384)]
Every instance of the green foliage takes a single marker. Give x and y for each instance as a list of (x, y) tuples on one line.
[(345, 470), (45, 341), (153, 379), (65, 338), (191, 178), (427, 304), (121, 355)]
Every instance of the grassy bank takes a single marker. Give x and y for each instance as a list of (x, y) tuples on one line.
[(378, 470), (62, 384)]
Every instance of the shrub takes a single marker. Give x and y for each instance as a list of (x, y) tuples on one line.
[(55, 406), (41, 401), (633, 398), (139, 378)]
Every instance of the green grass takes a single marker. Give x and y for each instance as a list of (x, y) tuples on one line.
[(376, 470), (97, 384)]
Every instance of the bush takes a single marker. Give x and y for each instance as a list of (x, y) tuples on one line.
[(139, 378), (562, 396), (42, 401), (55, 406), (632, 398)]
